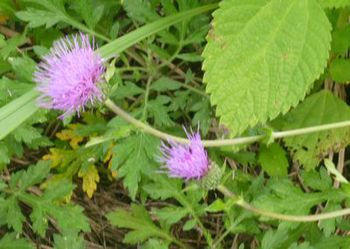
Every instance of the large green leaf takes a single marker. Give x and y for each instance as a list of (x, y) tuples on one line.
[(320, 108), (262, 57)]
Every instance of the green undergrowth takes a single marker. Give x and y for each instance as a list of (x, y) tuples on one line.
[(227, 68)]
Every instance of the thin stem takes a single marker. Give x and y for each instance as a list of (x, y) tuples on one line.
[(284, 217), (126, 69), (340, 166), (205, 232), (228, 231), (144, 112), (136, 57), (222, 142), (193, 89)]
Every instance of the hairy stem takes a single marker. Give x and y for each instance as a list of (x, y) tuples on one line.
[(222, 142), (284, 217)]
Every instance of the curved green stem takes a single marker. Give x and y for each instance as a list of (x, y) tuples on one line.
[(222, 142), (284, 217)]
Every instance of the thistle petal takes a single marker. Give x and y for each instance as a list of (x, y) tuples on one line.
[(70, 75), (185, 161)]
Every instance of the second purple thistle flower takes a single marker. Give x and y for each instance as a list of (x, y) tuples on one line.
[(188, 161), (70, 75)]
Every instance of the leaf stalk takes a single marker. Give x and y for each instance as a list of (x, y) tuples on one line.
[(284, 217), (221, 142)]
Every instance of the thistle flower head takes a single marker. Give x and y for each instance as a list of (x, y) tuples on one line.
[(69, 76), (188, 161)]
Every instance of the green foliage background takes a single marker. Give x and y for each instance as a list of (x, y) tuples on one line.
[(232, 68)]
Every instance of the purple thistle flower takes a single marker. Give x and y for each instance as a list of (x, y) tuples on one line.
[(69, 76), (187, 161)]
